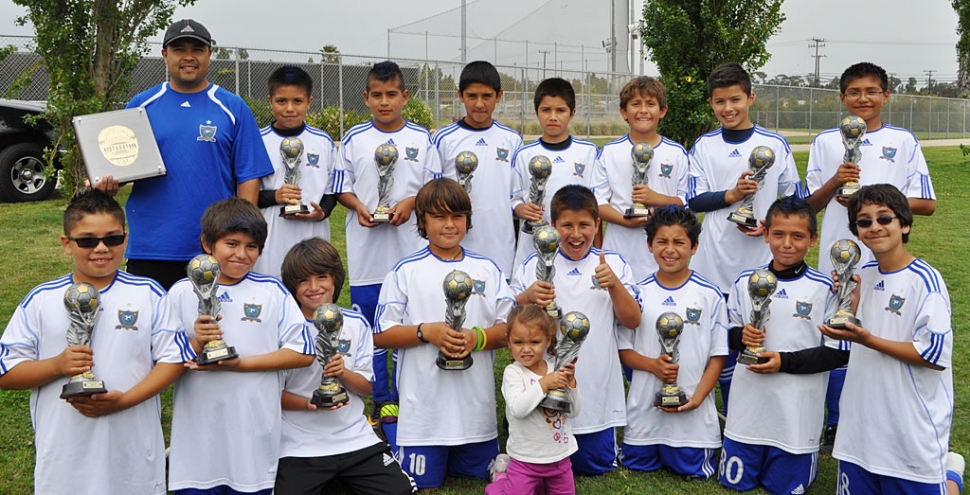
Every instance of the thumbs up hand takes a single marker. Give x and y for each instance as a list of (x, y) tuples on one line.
[(605, 278)]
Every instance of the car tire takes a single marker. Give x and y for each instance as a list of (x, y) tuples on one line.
[(23, 174)]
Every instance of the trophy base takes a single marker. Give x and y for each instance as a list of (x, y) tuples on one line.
[(637, 211), (840, 321), (288, 210), (453, 364), (529, 227), (83, 388), (382, 216), (670, 400), (848, 190), (743, 219), (215, 355), (748, 356), (554, 311), (555, 400), (328, 399)]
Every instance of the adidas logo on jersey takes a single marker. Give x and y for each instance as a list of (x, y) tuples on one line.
[(559, 160), (185, 104), (880, 286), (735, 154), (224, 297), (669, 301), (574, 272), (781, 294), (799, 490), (391, 141), (481, 142), (865, 142)]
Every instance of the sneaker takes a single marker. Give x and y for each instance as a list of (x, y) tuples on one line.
[(828, 439), (499, 465)]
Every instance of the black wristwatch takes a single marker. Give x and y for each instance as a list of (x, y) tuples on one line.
[(420, 334)]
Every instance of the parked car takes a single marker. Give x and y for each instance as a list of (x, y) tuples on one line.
[(22, 164)]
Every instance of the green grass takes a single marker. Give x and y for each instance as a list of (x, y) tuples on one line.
[(30, 237)]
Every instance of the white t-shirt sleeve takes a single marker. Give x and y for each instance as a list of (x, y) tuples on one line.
[(19, 341), (719, 330), (625, 338), (575, 399), (391, 304), (294, 334), (933, 337), (788, 181), (521, 397), (599, 181), (813, 174), (343, 172), (697, 182), (170, 344), (918, 182), (432, 165)]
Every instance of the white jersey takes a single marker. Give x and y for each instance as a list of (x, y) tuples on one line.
[(571, 164), (226, 424), (701, 305), (537, 436), (440, 407), (372, 252), (598, 368), (612, 184), (715, 165), (328, 433), (782, 410), (890, 155), (121, 453), (896, 417), (316, 174), (493, 184)]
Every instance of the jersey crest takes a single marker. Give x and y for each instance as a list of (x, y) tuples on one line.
[(665, 170), (207, 132), (478, 287), (412, 154), (127, 320), (343, 347), (578, 168), (694, 316), (802, 310), (313, 160), (895, 304), (888, 153), (252, 312), (502, 154)]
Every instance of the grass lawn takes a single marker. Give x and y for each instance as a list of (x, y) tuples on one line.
[(31, 231)]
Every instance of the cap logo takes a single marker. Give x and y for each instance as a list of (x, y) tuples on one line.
[(187, 29)]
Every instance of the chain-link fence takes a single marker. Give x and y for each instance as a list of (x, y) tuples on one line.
[(340, 81)]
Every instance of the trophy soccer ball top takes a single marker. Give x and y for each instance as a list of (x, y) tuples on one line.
[(846, 252), (385, 154), (575, 326), (457, 285), (466, 162), (546, 240), (81, 297), (291, 148), (642, 152), (670, 324), (204, 269), (761, 157), (762, 284), (853, 126)]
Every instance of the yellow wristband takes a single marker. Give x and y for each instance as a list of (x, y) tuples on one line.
[(482, 338)]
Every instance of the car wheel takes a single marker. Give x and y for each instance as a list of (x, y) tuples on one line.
[(23, 174)]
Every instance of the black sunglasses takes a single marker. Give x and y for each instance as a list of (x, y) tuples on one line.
[(91, 242), (865, 223)]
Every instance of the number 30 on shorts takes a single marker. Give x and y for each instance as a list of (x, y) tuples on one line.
[(732, 469)]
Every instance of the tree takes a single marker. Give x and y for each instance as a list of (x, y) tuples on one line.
[(962, 7), (687, 40), (910, 86), (329, 54), (90, 49)]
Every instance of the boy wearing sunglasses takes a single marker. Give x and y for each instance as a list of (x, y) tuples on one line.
[(137, 343), (895, 426)]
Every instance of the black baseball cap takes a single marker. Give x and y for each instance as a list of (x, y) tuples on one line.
[(187, 28)]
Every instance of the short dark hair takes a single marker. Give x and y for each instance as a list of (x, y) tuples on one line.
[(313, 256), (385, 71), (727, 75), (290, 75), (573, 198), (555, 86), (792, 206), (886, 195), (670, 215), (92, 202), (232, 215), (481, 72), (643, 86), (860, 70), (442, 195), (533, 316)]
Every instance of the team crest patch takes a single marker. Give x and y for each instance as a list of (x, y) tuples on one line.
[(888, 153), (478, 287), (343, 347), (412, 154), (252, 312), (802, 310), (895, 304), (313, 160), (665, 169), (207, 132), (578, 169), (693, 316), (502, 154), (596, 284), (127, 320)]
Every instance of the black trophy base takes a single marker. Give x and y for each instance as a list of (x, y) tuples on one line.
[(637, 211), (289, 210), (326, 399), (848, 190), (743, 219), (555, 400), (749, 356), (840, 321), (529, 227), (382, 216), (670, 400), (453, 364), (212, 356), (83, 388)]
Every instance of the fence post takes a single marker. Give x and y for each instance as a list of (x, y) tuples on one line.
[(777, 105), (811, 106), (589, 103), (522, 104), (340, 93), (237, 69), (912, 125), (437, 96)]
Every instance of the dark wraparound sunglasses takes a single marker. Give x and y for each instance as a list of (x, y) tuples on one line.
[(865, 223), (90, 242)]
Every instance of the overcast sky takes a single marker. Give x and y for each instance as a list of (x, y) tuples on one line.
[(904, 36)]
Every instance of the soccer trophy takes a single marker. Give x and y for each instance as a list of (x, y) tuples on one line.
[(465, 164), (845, 255), (540, 168), (761, 159), (385, 156), (642, 154), (761, 285), (546, 240), (669, 327), (291, 150), (203, 272), (853, 129), (573, 328), (329, 319), (81, 300), (458, 287)]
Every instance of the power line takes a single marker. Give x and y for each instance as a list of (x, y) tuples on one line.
[(818, 44)]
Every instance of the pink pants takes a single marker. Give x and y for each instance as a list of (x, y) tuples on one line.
[(523, 478)]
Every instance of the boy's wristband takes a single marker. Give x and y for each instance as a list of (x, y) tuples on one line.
[(421, 335), (482, 338)]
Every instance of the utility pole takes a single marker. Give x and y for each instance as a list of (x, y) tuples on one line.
[(818, 43), (544, 53), (929, 79), (464, 46)]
